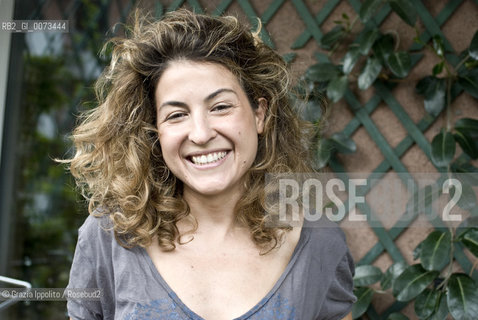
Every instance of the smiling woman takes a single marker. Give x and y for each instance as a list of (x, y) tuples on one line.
[(194, 111), (208, 131)]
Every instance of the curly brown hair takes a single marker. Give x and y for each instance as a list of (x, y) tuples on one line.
[(118, 163)]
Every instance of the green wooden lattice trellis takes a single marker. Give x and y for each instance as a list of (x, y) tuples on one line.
[(362, 112)]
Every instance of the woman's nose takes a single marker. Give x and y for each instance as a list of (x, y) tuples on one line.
[(201, 131)]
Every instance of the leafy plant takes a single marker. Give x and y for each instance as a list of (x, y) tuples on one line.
[(435, 295), (372, 57), (376, 53)]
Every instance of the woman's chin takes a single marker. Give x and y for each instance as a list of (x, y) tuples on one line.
[(209, 189)]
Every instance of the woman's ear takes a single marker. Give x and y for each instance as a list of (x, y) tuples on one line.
[(260, 113)]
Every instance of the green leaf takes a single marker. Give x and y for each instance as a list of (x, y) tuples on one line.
[(470, 240), (465, 227), (369, 73), (425, 85), (397, 316), (417, 251), (467, 143), (405, 9), (464, 166), (399, 63), (470, 64), (342, 143), (323, 154), (443, 148), (441, 309), (368, 8), (435, 250), (332, 37), (383, 47), (468, 125), (438, 68), (434, 90), (473, 49), (462, 297), (366, 275), (467, 199), (469, 82), (437, 43), (412, 282), (367, 40), (391, 274), (350, 59), (337, 87), (321, 72), (312, 111), (364, 298), (426, 302)]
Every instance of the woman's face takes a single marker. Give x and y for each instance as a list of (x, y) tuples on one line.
[(208, 130)]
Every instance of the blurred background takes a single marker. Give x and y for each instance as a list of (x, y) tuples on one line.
[(46, 79)]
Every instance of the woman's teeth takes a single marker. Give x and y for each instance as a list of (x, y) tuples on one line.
[(209, 158)]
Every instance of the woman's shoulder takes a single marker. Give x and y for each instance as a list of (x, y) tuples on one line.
[(92, 267), (96, 230), (326, 241), (324, 230)]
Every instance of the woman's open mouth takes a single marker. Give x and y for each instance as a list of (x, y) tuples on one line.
[(209, 158)]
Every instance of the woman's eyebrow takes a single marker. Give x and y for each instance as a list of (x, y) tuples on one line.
[(173, 103), (208, 98), (217, 92)]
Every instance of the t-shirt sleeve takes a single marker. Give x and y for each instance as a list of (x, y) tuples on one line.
[(340, 297), (89, 272)]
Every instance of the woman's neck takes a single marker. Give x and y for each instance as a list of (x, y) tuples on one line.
[(215, 214)]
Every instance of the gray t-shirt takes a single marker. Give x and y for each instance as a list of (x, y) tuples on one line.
[(316, 284)]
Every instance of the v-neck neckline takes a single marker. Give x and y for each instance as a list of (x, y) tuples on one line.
[(303, 239)]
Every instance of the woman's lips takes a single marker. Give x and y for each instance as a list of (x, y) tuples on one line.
[(209, 159)]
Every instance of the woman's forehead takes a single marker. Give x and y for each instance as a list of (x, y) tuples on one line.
[(198, 79)]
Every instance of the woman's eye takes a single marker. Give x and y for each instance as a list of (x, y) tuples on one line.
[(221, 107), (176, 116)]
